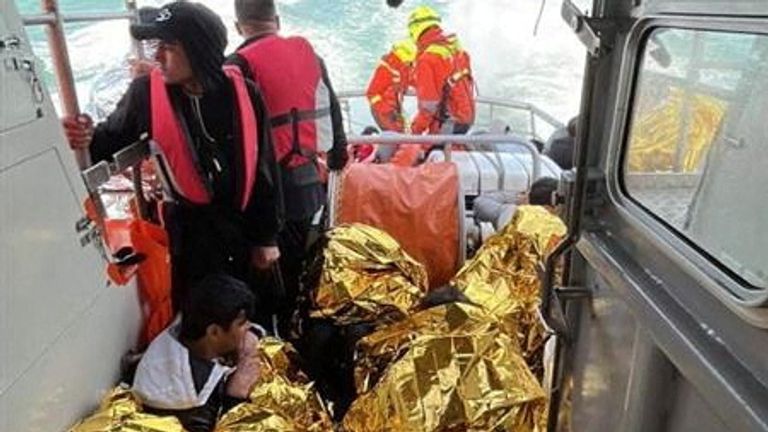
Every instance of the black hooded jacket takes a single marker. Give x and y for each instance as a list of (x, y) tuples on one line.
[(262, 218)]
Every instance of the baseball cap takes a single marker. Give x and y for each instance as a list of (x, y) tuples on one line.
[(181, 21), (196, 27)]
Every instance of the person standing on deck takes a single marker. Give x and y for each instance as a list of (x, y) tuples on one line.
[(210, 126), (306, 121), (442, 77), (560, 145), (388, 86)]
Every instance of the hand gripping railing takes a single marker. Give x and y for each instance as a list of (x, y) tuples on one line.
[(57, 43)]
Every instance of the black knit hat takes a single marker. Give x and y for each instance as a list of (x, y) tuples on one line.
[(198, 29)]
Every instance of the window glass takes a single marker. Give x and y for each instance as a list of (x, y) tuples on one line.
[(697, 154)]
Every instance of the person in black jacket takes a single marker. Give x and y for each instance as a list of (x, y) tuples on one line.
[(229, 229), (560, 145), (306, 121)]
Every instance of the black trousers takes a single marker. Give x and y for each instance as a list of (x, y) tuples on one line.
[(203, 240), (277, 289)]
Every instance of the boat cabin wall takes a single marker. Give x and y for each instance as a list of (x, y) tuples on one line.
[(671, 336), (62, 329)]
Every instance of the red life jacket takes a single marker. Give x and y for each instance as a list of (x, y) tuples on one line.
[(289, 76), (183, 172)]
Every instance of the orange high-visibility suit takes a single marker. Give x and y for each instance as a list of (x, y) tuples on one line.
[(444, 84), (386, 89)]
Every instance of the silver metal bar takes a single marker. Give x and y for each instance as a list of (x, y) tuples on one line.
[(39, 19), (50, 18), (491, 112), (397, 138), (96, 175), (93, 177), (334, 183), (462, 204), (469, 140), (131, 156), (63, 69), (505, 103)]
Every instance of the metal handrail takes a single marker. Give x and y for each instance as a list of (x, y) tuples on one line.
[(448, 140), (57, 43), (51, 18), (535, 112)]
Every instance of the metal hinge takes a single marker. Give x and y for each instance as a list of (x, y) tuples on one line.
[(10, 42), (594, 33), (88, 230)]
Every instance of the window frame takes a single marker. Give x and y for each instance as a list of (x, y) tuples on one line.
[(722, 281)]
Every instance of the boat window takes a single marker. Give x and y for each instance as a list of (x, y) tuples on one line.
[(697, 150)]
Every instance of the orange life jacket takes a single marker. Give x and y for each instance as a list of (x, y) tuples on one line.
[(289, 75), (184, 174)]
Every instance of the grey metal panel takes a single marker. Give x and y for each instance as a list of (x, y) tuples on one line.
[(695, 344), (68, 379), (696, 329), (689, 411), (62, 331), (732, 293), (704, 7), (602, 361), (650, 383), (735, 175), (19, 103)]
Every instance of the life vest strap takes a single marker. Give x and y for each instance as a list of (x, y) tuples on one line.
[(288, 118)]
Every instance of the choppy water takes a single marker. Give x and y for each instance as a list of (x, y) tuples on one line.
[(509, 61)]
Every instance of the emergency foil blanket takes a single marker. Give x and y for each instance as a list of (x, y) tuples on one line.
[(504, 277), (277, 404), (453, 369), (277, 357), (120, 411), (655, 143), (282, 400), (366, 277)]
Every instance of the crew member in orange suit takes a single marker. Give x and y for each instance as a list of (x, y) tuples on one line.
[(442, 77), (388, 85)]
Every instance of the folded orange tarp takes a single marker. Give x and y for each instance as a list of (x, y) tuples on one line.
[(153, 272), (154, 277), (417, 206)]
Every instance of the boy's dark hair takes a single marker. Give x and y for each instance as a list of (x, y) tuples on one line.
[(541, 191), (255, 10), (216, 299)]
